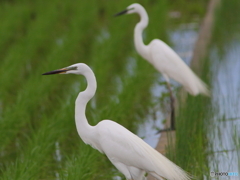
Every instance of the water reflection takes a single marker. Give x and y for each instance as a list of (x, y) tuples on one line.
[(104, 35), (224, 55), (225, 101), (58, 158)]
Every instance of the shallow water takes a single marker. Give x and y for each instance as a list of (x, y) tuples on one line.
[(225, 100)]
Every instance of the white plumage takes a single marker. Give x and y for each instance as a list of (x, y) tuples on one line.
[(162, 57), (132, 156), (127, 152), (171, 65)]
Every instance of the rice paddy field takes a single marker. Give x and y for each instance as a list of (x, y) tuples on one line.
[(38, 137)]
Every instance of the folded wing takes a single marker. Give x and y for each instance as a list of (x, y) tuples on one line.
[(165, 60)]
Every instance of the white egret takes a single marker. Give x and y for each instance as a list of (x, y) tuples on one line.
[(127, 152), (164, 59)]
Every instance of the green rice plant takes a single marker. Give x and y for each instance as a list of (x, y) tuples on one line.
[(26, 108), (39, 138)]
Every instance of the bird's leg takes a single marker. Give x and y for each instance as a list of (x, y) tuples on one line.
[(172, 102), (172, 115)]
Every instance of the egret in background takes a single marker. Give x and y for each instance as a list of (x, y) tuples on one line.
[(127, 152), (164, 59)]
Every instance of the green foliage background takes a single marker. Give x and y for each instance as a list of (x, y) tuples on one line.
[(38, 137)]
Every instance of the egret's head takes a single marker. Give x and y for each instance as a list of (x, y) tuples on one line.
[(78, 68), (133, 8)]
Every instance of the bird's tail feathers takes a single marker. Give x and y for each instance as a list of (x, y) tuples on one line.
[(201, 87), (167, 169)]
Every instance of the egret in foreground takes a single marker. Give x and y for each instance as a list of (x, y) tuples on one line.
[(164, 59), (127, 152)]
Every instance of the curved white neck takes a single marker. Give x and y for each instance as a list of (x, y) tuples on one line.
[(83, 127), (141, 48)]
